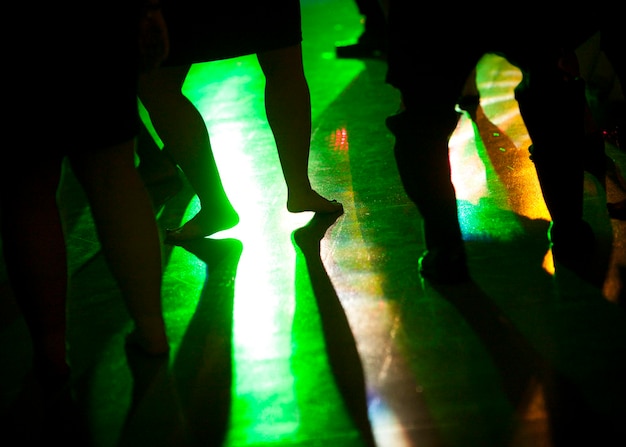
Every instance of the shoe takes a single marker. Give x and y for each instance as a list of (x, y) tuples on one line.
[(574, 250), (444, 265), (572, 244)]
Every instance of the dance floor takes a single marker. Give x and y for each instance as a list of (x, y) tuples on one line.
[(302, 330)]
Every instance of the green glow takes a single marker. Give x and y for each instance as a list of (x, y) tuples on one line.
[(265, 406), (276, 322), (480, 149)]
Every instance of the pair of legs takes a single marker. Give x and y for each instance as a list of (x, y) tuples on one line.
[(288, 109), (430, 72), (551, 105), (185, 137), (422, 131), (36, 254)]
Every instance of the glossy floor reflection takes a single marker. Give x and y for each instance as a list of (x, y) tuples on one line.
[(303, 330)]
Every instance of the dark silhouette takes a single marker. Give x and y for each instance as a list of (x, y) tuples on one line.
[(551, 103), (343, 356), (203, 32), (98, 147)]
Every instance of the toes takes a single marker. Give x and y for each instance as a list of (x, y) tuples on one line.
[(313, 202)]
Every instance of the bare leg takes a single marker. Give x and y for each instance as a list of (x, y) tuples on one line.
[(288, 108), (183, 131), (129, 236), (35, 256)]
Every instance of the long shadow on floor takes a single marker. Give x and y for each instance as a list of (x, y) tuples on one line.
[(187, 401), (340, 345)]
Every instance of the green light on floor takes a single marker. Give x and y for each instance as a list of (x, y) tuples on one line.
[(271, 334)]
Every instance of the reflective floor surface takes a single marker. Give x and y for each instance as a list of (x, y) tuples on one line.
[(303, 330)]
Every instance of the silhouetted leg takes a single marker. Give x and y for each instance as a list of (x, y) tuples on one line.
[(288, 109), (36, 261), (422, 132), (128, 234), (593, 152), (553, 111), (430, 69), (182, 130)]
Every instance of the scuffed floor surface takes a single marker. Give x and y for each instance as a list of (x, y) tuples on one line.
[(290, 330)]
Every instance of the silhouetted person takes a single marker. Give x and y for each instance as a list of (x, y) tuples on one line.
[(79, 79), (551, 103), (208, 31)]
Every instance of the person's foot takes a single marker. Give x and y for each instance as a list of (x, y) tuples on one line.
[(200, 226), (572, 243), (312, 201), (575, 249)]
